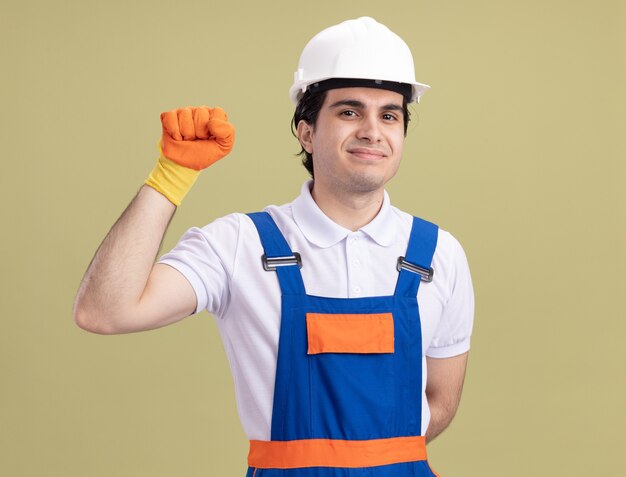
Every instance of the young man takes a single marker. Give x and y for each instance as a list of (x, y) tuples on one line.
[(317, 300)]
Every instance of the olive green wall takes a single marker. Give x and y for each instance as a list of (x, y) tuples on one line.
[(518, 150)]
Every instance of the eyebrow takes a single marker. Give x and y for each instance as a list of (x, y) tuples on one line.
[(359, 104)]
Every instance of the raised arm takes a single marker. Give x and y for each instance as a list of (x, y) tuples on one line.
[(123, 290)]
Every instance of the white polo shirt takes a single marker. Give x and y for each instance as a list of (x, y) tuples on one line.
[(222, 261)]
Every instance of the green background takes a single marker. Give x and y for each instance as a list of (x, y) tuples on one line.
[(519, 150)]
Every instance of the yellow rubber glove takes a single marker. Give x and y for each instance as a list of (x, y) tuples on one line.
[(192, 140)]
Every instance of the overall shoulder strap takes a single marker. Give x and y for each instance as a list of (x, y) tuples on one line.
[(278, 256), (415, 267)]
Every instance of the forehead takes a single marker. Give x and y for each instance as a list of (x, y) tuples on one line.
[(370, 97)]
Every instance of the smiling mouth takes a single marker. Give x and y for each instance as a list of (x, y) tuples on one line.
[(364, 153)]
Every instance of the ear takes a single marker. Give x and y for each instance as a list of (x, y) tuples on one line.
[(305, 132)]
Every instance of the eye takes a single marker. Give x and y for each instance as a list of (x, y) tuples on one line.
[(348, 113), (390, 117)]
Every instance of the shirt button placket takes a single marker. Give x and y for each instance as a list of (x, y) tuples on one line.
[(354, 262)]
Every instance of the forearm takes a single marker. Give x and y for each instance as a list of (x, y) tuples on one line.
[(117, 276), (444, 387), (441, 416)]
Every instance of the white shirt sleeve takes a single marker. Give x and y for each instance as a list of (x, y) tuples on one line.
[(206, 257), (452, 336)]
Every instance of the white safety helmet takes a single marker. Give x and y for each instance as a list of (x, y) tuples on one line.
[(360, 49)]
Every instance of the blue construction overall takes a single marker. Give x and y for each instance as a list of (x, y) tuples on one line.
[(348, 390)]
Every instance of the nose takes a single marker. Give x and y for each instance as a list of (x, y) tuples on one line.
[(369, 128)]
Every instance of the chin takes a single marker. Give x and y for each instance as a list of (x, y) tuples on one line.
[(365, 184)]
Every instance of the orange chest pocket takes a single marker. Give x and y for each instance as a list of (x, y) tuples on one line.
[(350, 333)]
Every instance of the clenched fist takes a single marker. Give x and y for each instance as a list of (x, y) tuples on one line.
[(192, 140), (196, 137)]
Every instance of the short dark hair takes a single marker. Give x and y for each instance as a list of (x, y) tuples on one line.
[(308, 110)]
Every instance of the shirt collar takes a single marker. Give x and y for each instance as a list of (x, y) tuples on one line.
[(320, 230)]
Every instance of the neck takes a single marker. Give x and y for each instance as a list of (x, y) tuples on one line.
[(351, 211)]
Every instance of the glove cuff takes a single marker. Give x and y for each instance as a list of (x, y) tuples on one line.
[(171, 179)]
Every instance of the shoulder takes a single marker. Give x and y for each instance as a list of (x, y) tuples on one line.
[(230, 230), (448, 247), (449, 257), (446, 243), (230, 223), (283, 217)]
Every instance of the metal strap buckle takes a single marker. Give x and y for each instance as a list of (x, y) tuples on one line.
[(272, 263), (425, 273)]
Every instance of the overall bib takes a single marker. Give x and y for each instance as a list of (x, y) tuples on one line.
[(348, 390)]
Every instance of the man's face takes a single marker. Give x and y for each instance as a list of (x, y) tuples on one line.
[(357, 140)]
